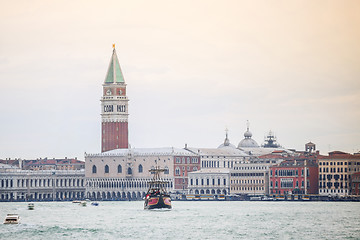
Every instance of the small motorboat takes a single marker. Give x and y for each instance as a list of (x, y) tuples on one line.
[(12, 219), (83, 203), (95, 204), (31, 206), (76, 201)]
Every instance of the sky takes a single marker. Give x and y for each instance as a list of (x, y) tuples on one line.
[(192, 68)]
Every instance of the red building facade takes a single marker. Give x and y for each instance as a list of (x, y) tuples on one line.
[(114, 109), (182, 166), (355, 184), (294, 177)]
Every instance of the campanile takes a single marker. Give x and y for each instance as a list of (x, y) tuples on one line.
[(114, 108)]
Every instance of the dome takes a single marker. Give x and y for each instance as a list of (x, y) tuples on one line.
[(248, 134), (247, 142), (226, 142)]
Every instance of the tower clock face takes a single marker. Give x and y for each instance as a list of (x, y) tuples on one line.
[(108, 92), (120, 91)]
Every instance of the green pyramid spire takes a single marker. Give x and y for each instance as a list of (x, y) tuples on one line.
[(114, 74)]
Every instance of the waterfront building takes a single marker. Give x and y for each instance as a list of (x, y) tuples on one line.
[(355, 184), (335, 171), (42, 185), (295, 175), (252, 178), (209, 181), (52, 164), (183, 165), (124, 173), (114, 108)]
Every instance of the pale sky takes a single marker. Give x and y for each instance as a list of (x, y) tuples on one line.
[(192, 68)]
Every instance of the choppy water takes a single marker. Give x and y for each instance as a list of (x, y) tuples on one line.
[(187, 220)]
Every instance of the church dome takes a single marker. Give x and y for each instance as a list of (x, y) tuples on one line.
[(226, 142), (248, 134), (247, 142)]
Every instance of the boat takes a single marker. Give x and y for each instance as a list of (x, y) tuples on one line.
[(266, 198), (95, 204), (31, 206), (12, 219), (306, 198), (157, 197), (83, 203), (255, 198), (280, 198), (76, 201), (221, 197)]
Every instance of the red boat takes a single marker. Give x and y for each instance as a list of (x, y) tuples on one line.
[(157, 196)]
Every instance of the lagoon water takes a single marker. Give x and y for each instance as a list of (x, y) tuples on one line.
[(187, 220)]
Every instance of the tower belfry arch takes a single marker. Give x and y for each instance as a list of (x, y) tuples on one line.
[(114, 108)]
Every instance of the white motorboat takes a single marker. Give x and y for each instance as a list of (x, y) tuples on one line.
[(12, 219), (31, 206)]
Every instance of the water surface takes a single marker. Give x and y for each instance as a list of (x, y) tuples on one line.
[(187, 220)]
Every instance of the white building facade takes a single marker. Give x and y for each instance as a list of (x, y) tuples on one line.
[(209, 181), (44, 185), (123, 174)]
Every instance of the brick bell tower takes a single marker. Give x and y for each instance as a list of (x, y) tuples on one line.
[(114, 108)]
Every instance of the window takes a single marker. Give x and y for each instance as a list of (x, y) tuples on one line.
[(106, 169), (194, 160), (177, 171), (119, 169), (195, 168), (166, 170), (178, 160), (129, 171), (94, 169), (286, 182), (188, 160), (140, 168)]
